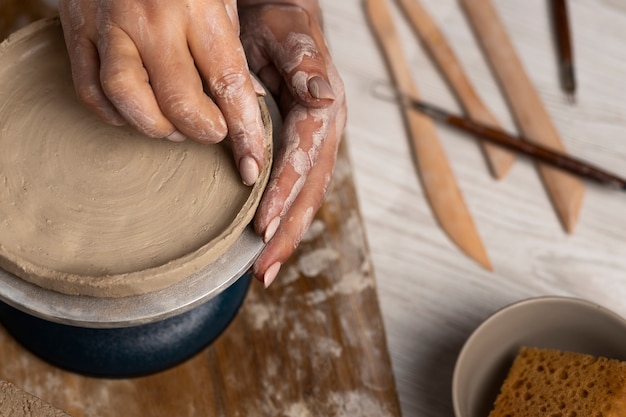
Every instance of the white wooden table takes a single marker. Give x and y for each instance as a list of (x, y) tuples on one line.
[(432, 296)]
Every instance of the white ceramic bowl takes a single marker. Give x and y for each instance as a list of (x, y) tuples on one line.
[(546, 322)]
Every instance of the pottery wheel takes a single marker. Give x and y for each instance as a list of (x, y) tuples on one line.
[(91, 209)]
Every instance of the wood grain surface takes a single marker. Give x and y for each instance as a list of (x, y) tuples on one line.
[(311, 345), (432, 297)]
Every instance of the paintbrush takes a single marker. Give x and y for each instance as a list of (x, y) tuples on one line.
[(564, 47), (499, 137)]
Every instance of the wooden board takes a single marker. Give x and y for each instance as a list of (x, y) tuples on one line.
[(313, 344)]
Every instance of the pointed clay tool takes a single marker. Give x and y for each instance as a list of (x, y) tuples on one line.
[(437, 177), (500, 160), (533, 120)]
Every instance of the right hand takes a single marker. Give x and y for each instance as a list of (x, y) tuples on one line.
[(144, 62)]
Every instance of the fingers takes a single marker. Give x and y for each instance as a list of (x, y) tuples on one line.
[(85, 65), (150, 65), (306, 163), (225, 70), (126, 84), (148, 73), (301, 136), (296, 48), (85, 74), (286, 48)]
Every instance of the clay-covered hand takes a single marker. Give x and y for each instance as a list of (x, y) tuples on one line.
[(145, 61), (286, 48)]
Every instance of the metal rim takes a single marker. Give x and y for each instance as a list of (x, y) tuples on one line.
[(85, 311), (93, 312)]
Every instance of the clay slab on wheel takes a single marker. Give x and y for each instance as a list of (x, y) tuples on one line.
[(92, 209), (16, 403)]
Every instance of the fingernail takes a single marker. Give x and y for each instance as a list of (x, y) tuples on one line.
[(249, 170), (271, 228), (320, 89), (176, 136), (258, 88), (271, 274)]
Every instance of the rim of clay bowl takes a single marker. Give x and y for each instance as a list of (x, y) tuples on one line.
[(81, 219), (190, 292), (182, 296), (483, 334), (133, 310)]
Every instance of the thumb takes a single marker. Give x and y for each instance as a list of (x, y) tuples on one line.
[(298, 51)]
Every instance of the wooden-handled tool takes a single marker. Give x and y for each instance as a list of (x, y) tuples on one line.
[(501, 138), (436, 174), (500, 160), (533, 120), (564, 47)]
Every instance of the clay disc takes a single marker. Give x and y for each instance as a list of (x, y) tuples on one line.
[(91, 209)]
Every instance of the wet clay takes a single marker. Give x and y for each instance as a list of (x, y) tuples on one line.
[(92, 209), (16, 403)]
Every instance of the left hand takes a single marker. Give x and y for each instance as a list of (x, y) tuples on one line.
[(285, 47)]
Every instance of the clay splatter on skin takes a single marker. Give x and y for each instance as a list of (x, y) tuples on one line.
[(247, 127), (202, 121), (296, 47), (77, 16), (315, 231), (299, 82), (305, 223), (301, 161), (306, 130)]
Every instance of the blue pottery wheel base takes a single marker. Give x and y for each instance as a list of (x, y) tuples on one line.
[(128, 351)]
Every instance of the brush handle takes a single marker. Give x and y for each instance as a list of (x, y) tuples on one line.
[(564, 45), (537, 152)]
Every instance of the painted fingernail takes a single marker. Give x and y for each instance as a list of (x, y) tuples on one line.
[(249, 170), (271, 274), (271, 228), (258, 88), (176, 136), (320, 89)]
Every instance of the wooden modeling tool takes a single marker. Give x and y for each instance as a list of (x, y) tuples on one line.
[(562, 35), (533, 120), (436, 174), (500, 138), (500, 160)]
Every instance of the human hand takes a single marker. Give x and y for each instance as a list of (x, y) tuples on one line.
[(144, 62), (286, 49)]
